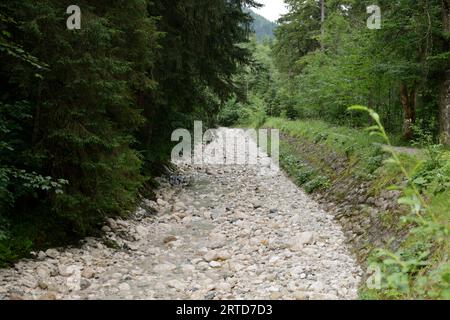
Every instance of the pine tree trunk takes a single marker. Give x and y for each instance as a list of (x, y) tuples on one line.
[(444, 103), (408, 99), (444, 110), (322, 23)]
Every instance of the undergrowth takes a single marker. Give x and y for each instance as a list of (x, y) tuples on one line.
[(419, 269)]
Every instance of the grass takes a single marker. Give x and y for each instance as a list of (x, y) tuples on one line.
[(362, 151)]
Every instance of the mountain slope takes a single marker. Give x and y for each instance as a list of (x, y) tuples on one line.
[(262, 27)]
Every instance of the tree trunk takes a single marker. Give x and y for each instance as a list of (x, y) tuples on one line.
[(322, 23), (408, 99), (37, 115), (444, 101), (444, 112)]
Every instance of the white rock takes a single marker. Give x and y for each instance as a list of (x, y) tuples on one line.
[(124, 287), (176, 284), (43, 272), (224, 286), (122, 223), (210, 256), (112, 223), (161, 202), (223, 255), (304, 238), (215, 264), (217, 240), (67, 271), (41, 255), (141, 231), (186, 220), (52, 253)]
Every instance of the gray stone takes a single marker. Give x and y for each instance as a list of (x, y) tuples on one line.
[(52, 253), (176, 284), (41, 255), (43, 272), (210, 256), (84, 284)]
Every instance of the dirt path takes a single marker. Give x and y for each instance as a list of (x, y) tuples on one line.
[(224, 232), (406, 150)]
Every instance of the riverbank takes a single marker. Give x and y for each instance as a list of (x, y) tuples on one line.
[(345, 170)]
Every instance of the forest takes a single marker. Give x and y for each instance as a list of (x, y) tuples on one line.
[(324, 67), (86, 115)]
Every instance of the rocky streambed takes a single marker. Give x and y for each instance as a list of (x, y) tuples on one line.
[(215, 232)]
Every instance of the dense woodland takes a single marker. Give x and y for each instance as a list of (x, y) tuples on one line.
[(316, 69), (86, 115)]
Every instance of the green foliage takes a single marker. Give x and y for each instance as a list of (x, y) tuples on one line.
[(433, 174), (302, 173), (232, 112), (319, 182), (86, 115), (420, 267), (364, 152), (349, 64)]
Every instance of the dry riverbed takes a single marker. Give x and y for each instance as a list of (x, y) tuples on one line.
[(220, 232)]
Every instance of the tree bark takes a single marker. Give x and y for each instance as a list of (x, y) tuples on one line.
[(322, 23), (37, 115), (408, 99), (444, 101), (445, 110)]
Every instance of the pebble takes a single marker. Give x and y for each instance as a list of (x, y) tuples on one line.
[(124, 287), (48, 296), (215, 264), (176, 284), (52, 253), (275, 296), (88, 273), (84, 284)]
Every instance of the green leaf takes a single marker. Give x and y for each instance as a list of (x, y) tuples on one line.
[(358, 108), (420, 181)]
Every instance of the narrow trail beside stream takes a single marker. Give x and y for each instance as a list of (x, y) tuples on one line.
[(229, 232)]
